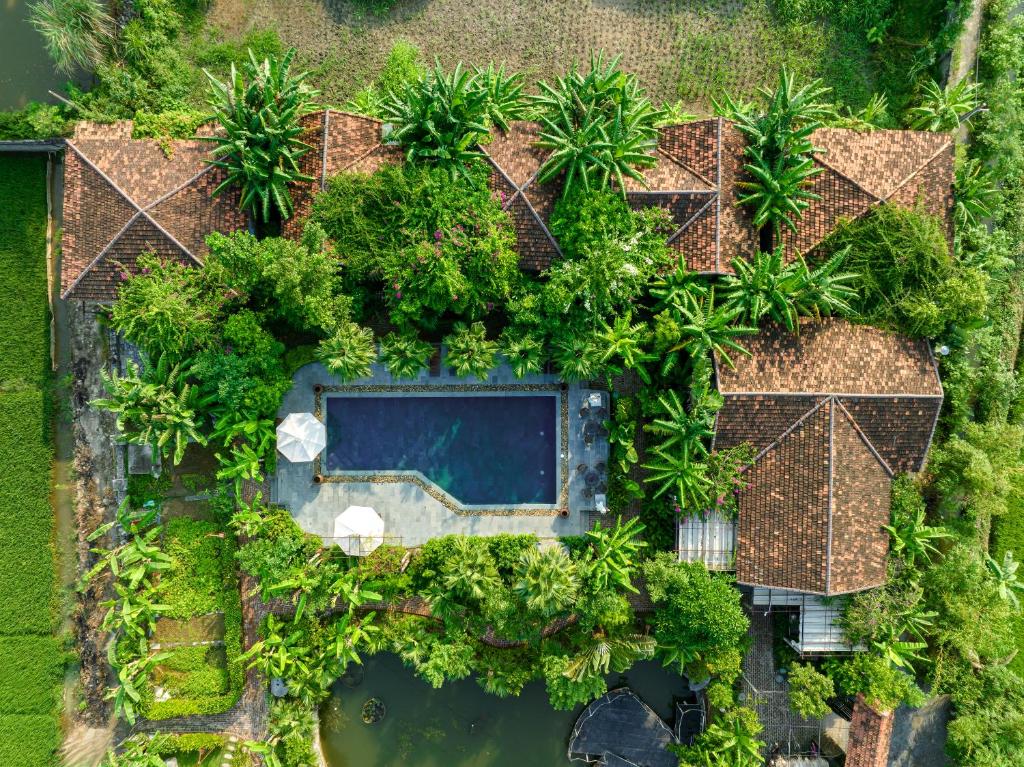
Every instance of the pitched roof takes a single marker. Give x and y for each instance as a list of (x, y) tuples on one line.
[(812, 512), (832, 414), (124, 197), (861, 169)]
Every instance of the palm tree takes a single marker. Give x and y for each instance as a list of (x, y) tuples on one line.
[(779, 149), (547, 580), (349, 353), (160, 409), (684, 433), (605, 652), (1006, 577), (524, 352), (405, 355), (76, 33), (259, 147), (941, 110), (577, 356), (469, 351), (623, 340), (689, 478), (470, 574), (705, 328), (913, 539), (504, 103), (613, 553), (599, 127)]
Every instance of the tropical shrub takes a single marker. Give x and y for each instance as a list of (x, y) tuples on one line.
[(599, 127), (441, 118), (809, 691), (884, 686), (908, 280), (76, 33), (259, 147), (468, 350), (349, 352), (405, 355), (941, 108), (779, 150), (433, 248)]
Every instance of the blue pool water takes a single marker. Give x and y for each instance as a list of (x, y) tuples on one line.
[(482, 449)]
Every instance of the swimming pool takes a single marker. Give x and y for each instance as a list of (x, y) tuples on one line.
[(482, 449)]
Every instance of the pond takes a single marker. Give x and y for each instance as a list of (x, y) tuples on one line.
[(460, 725), (26, 73)]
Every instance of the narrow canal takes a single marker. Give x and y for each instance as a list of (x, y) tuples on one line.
[(460, 725)]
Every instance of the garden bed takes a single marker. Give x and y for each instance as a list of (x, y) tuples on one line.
[(201, 593)]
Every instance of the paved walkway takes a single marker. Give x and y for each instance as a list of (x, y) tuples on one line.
[(411, 514)]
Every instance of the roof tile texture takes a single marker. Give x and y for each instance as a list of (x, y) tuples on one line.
[(870, 736)]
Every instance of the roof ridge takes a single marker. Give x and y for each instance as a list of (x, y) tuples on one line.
[(864, 437), (714, 195), (100, 255), (171, 237), (105, 177), (917, 171), (828, 505), (178, 188), (686, 166), (819, 157), (787, 432)]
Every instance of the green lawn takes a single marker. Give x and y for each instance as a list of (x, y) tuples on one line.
[(30, 657)]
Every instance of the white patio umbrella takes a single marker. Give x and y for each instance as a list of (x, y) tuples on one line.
[(358, 530), (301, 437)]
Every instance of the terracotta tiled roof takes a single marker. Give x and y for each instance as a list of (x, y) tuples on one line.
[(811, 516), (831, 414), (862, 169), (870, 736), (124, 197)]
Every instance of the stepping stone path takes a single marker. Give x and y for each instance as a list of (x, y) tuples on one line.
[(229, 752)]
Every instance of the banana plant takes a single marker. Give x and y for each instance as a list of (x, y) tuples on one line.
[(683, 433), (913, 539), (133, 612), (1006, 577), (260, 111), (613, 554), (131, 676), (242, 463)]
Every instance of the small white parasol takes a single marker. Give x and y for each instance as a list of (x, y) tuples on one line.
[(358, 530), (301, 437)]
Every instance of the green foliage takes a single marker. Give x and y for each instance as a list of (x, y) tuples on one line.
[(433, 248), (941, 108), (401, 68), (468, 350), (809, 691), (441, 117), (260, 147), (76, 33), (779, 149), (35, 121), (912, 539), (547, 581), (729, 741), (349, 352), (566, 693), (159, 409), (884, 686), (698, 622), (167, 125), (908, 279), (765, 286), (599, 127), (975, 193), (613, 554), (405, 355)]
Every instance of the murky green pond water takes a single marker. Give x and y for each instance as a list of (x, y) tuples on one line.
[(26, 73), (460, 725)]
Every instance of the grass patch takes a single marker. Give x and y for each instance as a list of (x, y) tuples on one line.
[(202, 580), (1008, 535), (31, 662)]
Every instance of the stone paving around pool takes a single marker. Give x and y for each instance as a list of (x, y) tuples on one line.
[(414, 510)]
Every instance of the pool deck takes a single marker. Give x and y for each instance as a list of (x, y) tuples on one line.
[(415, 511)]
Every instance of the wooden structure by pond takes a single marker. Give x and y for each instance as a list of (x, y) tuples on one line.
[(619, 729)]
